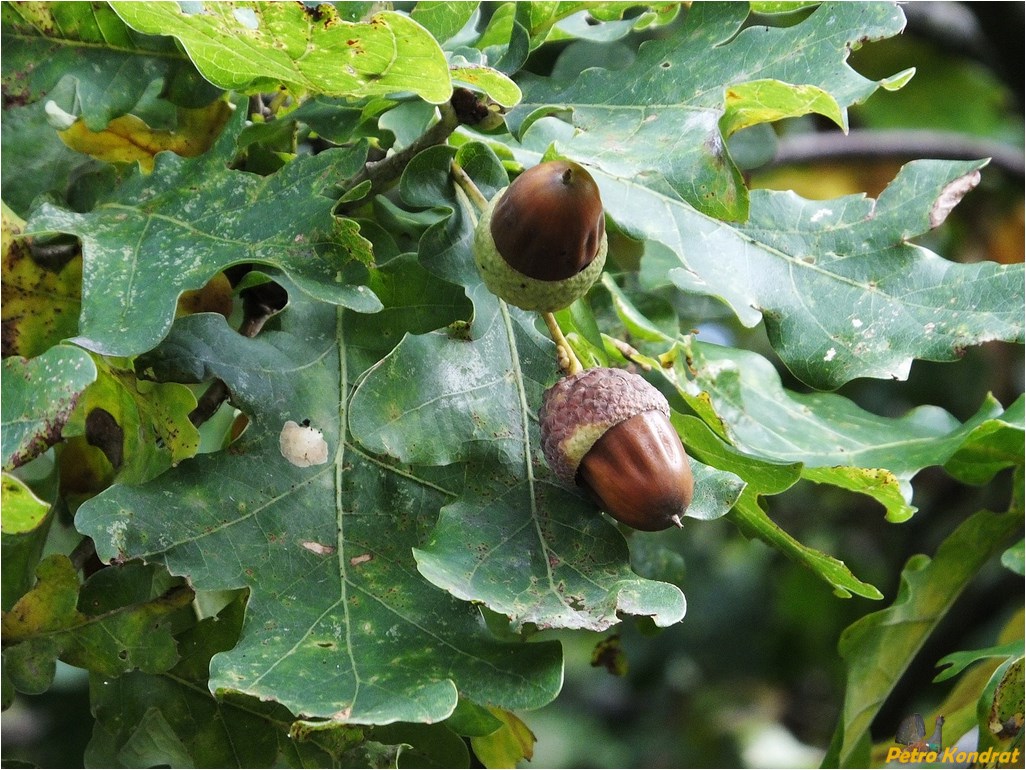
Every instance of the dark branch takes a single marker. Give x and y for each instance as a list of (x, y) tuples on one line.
[(870, 145)]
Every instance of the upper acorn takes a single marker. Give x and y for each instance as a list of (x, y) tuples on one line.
[(541, 243)]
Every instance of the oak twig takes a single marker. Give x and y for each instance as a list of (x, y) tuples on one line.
[(381, 173)]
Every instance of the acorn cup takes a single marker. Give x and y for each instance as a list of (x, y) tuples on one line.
[(541, 242), (609, 431)]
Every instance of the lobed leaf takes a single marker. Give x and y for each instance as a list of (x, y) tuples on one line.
[(339, 624), (476, 404), (142, 427), (150, 719), (254, 46), (158, 235), (740, 396), (991, 446), (739, 393), (663, 131), (889, 300), (111, 65), (101, 636), (443, 19)]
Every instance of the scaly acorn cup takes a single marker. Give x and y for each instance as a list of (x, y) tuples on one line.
[(609, 431), (541, 243)]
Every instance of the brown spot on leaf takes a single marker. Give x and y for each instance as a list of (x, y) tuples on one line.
[(103, 432)]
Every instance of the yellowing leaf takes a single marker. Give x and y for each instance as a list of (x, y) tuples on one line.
[(508, 745), (128, 139), (765, 101), (142, 427), (215, 297), (40, 306)]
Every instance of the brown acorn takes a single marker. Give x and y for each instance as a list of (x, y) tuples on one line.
[(541, 243), (609, 431)]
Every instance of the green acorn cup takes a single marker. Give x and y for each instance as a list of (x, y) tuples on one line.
[(541, 243)]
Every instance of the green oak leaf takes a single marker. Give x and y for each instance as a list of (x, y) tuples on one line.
[(739, 394), (838, 442), (515, 539), (39, 396), (761, 478), (481, 389), (423, 746), (664, 131), (156, 236), (256, 46), (955, 663), (148, 720), (879, 647), (92, 631), (34, 161), (441, 18), (499, 87), (992, 445), (890, 301), (339, 624), (111, 65)]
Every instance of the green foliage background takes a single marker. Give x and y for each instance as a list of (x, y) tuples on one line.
[(841, 347)]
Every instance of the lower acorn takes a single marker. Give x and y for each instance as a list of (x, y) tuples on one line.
[(609, 431)]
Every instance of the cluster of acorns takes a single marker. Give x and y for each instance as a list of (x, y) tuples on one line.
[(540, 245)]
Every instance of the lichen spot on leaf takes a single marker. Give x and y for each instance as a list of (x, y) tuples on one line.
[(302, 445)]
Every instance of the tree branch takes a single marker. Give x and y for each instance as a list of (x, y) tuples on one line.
[(870, 145), (382, 172)]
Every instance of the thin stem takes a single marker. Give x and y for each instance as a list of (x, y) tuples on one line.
[(462, 178), (568, 361)]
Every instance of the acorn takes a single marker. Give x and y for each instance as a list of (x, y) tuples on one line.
[(541, 242), (609, 431)]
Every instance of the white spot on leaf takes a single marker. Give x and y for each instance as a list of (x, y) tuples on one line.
[(302, 445), (246, 17), (318, 548), (949, 197), (830, 354)]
